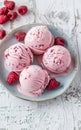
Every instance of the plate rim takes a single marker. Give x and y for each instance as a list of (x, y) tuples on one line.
[(76, 66)]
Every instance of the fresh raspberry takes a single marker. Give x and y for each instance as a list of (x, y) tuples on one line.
[(22, 10), (59, 41), (53, 83), (3, 10), (20, 36), (12, 15), (9, 4), (3, 19), (12, 78), (2, 34)]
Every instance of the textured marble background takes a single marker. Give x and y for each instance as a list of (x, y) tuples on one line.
[(63, 113)]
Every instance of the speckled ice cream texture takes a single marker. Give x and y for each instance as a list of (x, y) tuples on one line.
[(17, 57), (39, 39), (33, 81), (57, 59)]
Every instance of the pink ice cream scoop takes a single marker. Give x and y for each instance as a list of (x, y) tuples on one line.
[(17, 57), (38, 39), (33, 81), (57, 59)]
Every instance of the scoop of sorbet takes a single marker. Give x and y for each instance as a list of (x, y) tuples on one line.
[(33, 81), (57, 59), (17, 57), (38, 39)]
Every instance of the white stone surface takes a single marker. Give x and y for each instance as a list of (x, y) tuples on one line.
[(63, 113)]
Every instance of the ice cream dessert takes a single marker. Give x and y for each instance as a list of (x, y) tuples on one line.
[(17, 57), (51, 59), (57, 59), (33, 81), (39, 39)]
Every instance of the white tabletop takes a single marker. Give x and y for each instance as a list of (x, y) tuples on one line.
[(63, 113)]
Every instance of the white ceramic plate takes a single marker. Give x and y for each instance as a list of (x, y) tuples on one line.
[(65, 81)]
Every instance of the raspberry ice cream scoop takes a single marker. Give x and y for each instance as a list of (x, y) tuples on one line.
[(33, 81), (57, 59), (38, 39), (17, 57)]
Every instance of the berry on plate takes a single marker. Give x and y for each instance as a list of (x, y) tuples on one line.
[(53, 84), (59, 41), (12, 78), (20, 36)]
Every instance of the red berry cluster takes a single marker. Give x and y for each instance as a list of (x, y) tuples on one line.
[(9, 4), (7, 13)]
